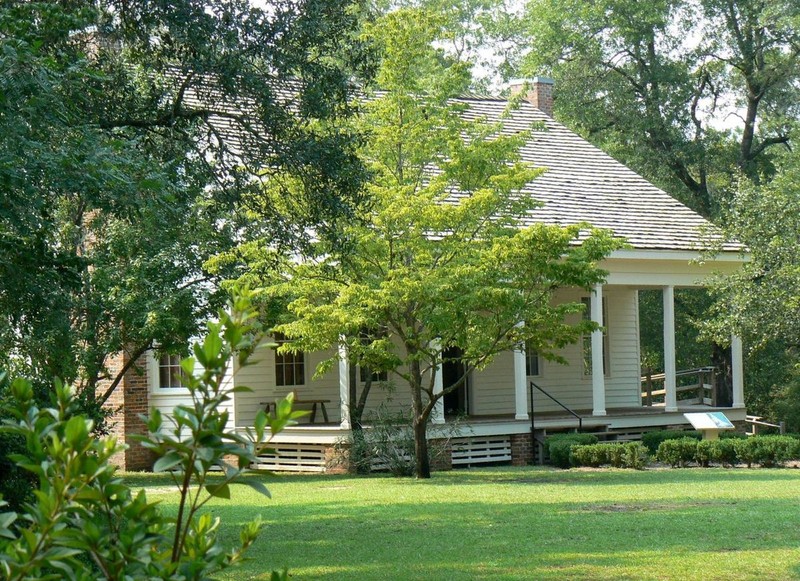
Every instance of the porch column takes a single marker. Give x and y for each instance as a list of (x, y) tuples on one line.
[(598, 372), (737, 365), (437, 415), (520, 382), (344, 386), (670, 389)]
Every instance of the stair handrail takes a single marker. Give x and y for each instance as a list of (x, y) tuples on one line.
[(568, 410)]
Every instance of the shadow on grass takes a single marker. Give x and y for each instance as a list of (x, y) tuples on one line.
[(530, 540)]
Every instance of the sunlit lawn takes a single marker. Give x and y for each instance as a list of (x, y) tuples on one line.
[(521, 524)]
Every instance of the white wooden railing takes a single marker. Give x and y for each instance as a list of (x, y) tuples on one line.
[(703, 387)]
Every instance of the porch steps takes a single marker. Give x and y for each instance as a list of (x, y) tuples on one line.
[(294, 458), (481, 450)]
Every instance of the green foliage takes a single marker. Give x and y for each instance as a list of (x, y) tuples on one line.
[(761, 300), (618, 455), (652, 440), (387, 444), (559, 447), (677, 452), (437, 260), (86, 523), (628, 78), (768, 451), (120, 184)]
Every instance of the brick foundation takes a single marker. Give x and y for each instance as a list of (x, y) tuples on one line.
[(521, 449), (337, 460), (128, 401)]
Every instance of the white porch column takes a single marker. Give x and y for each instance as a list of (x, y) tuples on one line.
[(437, 415), (344, 386), (598, 372), (671, 394), (737, 365), (520, 382)]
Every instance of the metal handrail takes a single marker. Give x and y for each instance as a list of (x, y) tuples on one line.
[(580, 419)]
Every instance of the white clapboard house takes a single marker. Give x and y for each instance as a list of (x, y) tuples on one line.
[(607, 395)]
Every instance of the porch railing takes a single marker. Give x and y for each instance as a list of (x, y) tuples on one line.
[(565, 408), (695, 386)]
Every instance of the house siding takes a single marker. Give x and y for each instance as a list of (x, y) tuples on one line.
[(260, 377)]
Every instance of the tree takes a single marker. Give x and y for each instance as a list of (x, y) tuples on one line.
[(134, 139), (686, 93), (86, 523), (760, 301), (438, 258)]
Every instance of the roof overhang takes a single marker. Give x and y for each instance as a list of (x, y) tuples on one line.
[(659, 268)]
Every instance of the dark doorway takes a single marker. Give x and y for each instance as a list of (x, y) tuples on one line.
[(457, 401)]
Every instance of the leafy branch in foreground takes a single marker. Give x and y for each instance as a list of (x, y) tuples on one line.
[(86, 523)]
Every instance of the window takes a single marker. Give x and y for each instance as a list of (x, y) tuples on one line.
[(169, 371), (532, 362), (290, 368), (587, 339)]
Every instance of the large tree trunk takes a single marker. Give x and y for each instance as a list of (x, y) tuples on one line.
[(419, 423), (423, 464)]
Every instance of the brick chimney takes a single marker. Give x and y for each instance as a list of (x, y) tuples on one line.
[(538, 92)]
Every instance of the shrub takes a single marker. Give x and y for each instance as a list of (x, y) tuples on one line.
[(559, 445), (652, 440), (767, 450), (705, 452), (724, 450), (618, 455), (636, 455), (86, 523), (677, 452)]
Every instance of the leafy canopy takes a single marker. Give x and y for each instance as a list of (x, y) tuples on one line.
[(128, 161)]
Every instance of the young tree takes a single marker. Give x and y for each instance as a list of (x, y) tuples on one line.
[(437, 259), (128, 161)]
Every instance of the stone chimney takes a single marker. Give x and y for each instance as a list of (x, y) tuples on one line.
[(538, 92)]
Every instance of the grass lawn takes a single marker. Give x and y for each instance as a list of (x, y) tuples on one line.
[(520, 523)]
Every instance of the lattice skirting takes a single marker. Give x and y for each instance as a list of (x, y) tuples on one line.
[(481, 450), (295, 458)]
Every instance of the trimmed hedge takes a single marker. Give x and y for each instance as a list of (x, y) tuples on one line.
[(677, 452), (767, 450), (559, 446), (619, 455), (653, 439)]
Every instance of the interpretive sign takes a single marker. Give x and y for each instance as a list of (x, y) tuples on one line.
[(710, 423)]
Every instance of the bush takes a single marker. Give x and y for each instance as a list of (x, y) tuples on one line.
[(677, 452), (724, 450), (652, 440), (705, 452), (559, 446), (618, 455), (86, 523), (767, 451)]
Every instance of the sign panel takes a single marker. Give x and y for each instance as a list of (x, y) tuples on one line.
[(709, 421)]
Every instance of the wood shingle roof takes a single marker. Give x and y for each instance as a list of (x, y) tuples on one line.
[(583, 184)]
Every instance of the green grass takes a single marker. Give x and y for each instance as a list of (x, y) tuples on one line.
[(521, 524)]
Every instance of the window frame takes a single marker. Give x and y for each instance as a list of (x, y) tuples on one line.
[(284, 361), (532, 355), (154, 367)]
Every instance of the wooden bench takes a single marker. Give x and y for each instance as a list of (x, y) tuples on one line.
[(270, 406)]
